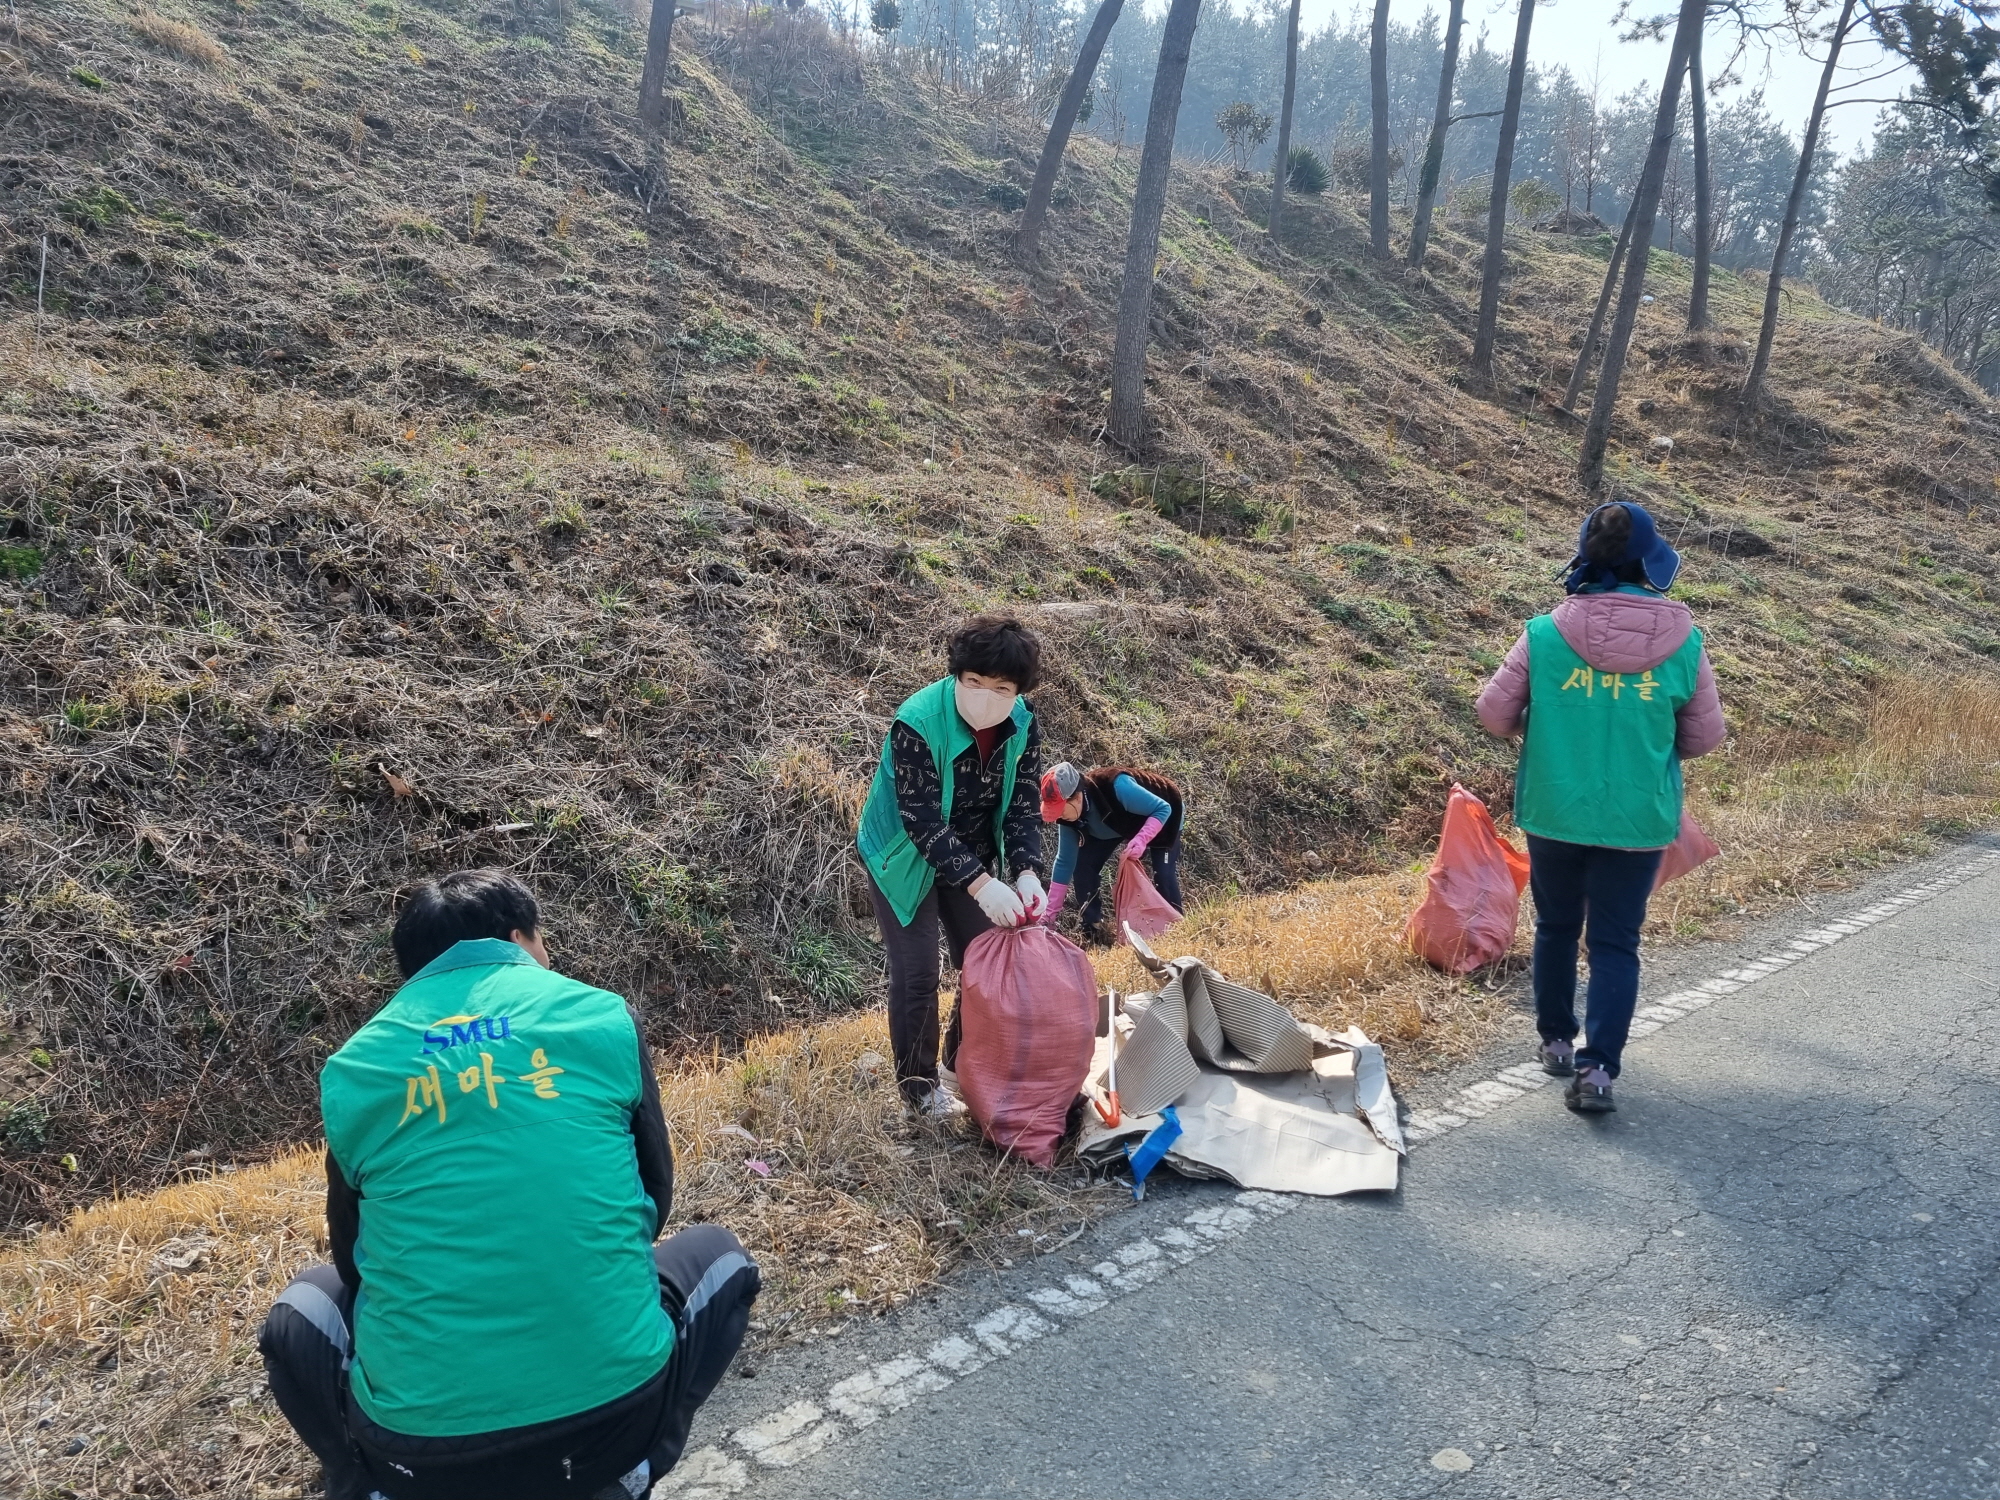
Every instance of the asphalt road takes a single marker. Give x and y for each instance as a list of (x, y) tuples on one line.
[(1771, 1273)]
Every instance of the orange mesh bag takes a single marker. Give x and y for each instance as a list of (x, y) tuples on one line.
[(1135, 899), (1473, 894), (1028, 1008), (1690, 849)]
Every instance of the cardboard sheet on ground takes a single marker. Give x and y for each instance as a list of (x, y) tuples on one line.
[(1268, 1103)]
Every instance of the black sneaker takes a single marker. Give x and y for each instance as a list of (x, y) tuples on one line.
[(1589, 1093), (1558, 1058)]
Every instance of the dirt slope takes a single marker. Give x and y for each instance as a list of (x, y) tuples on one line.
[(386, 489)]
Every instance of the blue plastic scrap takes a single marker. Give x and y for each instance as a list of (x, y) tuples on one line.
[(1148, 1153)]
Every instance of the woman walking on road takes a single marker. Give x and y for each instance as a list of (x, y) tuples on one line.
[(1097, 811), (1610, 691), (953, 800)]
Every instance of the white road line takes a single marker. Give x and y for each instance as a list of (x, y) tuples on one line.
[(804, 1428)]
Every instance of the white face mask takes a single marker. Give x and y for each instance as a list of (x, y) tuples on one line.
[(982, 708)]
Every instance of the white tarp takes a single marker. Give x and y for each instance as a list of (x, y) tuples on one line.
[(1267, 1103)]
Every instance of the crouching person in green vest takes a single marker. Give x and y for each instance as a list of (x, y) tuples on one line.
[(955, 798), (497, 1321), (1610, 691)]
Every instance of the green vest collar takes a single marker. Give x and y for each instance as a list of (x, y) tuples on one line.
[(934, 709), (474, 953), (1623, 588)]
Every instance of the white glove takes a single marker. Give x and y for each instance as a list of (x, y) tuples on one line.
[(997, 899), (1033, 897)]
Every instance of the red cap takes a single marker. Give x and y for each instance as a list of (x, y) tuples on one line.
[(1053, 800)]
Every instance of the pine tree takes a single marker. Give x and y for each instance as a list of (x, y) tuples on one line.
[(1127, 425), (1281, 160), (1068, 107), (1427, 183), (1645, 206), (1488, 331)]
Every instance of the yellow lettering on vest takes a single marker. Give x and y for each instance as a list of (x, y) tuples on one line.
[(473, 1078), (543, 1076), (419, 1094)]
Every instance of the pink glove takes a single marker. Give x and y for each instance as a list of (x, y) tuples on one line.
[(1136, 845), (1058, 893)]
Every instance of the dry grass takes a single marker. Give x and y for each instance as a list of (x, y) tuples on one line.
[(1926, 766), (1930, 735), (179, 38)]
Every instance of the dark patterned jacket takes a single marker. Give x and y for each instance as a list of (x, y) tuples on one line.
[(961, 850)]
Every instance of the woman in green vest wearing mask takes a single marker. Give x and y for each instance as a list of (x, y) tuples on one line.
[(955, 799), (1610, 692)]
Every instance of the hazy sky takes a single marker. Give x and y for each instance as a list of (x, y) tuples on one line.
[(1579, 35)]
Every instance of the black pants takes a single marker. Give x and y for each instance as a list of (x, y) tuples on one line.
[(1599, 895), (912, 950), (1093, 854), (707, 1284)]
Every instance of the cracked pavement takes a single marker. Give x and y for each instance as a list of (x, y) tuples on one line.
[(1770, 1273)]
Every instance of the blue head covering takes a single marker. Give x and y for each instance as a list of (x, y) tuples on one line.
[(1659, 562)]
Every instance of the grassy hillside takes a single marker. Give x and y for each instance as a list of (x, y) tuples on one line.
[(407, 474)]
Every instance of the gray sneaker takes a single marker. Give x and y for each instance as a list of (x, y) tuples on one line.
[(1558, 1058), (1589, 1093), (937, 1106)]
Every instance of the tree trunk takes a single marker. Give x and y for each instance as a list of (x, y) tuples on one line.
[(1704, 195), (1645, 205), (1587, 355), (1281, 168), (1127, 424), (1496, 216), (1427, 184), (653, 76), (1378, 133), (1067, 109), (1753, 388)]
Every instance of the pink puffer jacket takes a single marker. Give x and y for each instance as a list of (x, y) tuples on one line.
[(1614, 633)]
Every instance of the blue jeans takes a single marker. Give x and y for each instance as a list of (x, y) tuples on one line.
[(1579, 889), (1093, 854)]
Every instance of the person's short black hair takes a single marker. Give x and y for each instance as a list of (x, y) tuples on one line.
[(997, 646), (464, 904)]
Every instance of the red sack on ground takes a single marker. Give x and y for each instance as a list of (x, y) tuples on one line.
[(1135, 899), (1027, 1007), (1474, 891), (1690, 849)]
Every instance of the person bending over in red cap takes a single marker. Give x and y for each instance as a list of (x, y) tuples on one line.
[(1097, 811)]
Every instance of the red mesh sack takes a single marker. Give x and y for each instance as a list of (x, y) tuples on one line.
[(1135, 899), (1027, 1007), (1690, 849), (1473, 894)]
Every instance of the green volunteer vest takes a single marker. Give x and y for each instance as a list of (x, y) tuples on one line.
[(1598, 764), (900, 871), (505, 1252)]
